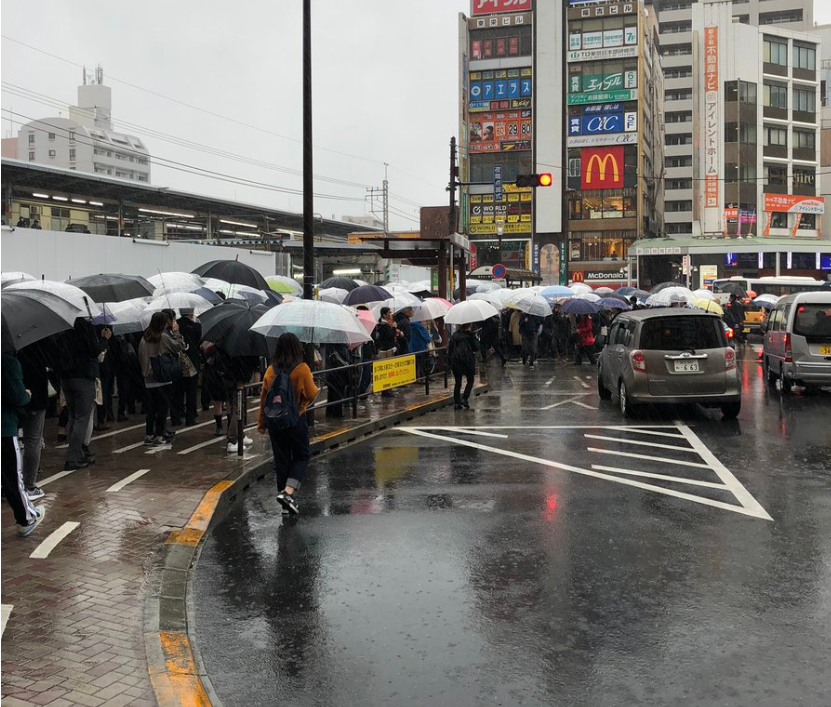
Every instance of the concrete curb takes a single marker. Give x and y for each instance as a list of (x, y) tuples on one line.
[(176, 672)]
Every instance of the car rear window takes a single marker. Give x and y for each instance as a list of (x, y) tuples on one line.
[(681, 334), (813, 320)]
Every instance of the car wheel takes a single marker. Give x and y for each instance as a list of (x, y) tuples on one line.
[(787, 385), (626, 407), (770, 376), (730, 411), (602, 390)]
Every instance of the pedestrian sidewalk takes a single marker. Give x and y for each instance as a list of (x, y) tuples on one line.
[(76, 592)]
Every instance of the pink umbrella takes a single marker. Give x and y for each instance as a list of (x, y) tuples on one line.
[(367, 320)]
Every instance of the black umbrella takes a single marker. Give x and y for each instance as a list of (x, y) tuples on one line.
[(27, 318), (664, 286), (232, 271), (345, 283), (228, 325), (734, 288), (469, 290), (366, 294), (114, 287)]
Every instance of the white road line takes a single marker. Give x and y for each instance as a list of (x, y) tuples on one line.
[(5, 612), (662, 477), (549, 382), (126, 480), (740, 492), (565, 402), (653, 432), (744, 510), (55, 477), (107, 434), (618, 453), (641, 443), (581, 381), (42, 551), (209, 442), (479, 433), (163, 448), (129, 447), (542, 427)]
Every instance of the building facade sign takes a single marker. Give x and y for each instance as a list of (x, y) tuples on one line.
[(789, 204), (711, 119), (503, 131), (506, 89), (598, 123), (605, 53), (514, 211), (601, 168), (503, 21), (601, 140), (598, 88), (492, 7)]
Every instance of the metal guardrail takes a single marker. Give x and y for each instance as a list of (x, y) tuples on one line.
[(433, 364)]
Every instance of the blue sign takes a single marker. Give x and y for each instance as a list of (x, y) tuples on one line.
[(497, 183), (475, 91), (501, 89), (525, 87), (513, 88), (487, 90), (498, 271)]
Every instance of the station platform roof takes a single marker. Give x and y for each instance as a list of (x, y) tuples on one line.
[(689, 245)]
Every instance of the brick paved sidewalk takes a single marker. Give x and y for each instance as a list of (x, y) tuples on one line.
[(75, 632)]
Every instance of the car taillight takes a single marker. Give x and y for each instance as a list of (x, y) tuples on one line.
[(728, 333), (638, 361), (788, 352), (729, 359)]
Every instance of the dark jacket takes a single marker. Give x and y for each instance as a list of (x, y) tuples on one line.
[(529, 325), (192, 334), (403, 322), (461, 351), (14, 395), (34, 360), (490, 331), (386, 336), (79, 349)]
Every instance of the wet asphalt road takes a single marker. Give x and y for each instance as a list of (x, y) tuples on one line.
[(519, 565)]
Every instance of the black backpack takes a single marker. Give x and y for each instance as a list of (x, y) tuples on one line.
[(280, 410)]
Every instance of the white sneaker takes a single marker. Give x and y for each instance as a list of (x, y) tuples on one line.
[(232, 448), (247, 441)]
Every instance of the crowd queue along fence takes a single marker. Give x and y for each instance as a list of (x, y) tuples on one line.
[(384, 374)]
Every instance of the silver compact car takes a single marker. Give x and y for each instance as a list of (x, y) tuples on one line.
[(669, 356)]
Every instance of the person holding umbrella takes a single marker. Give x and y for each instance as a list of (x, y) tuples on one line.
[(585, 339), (461, 353), (289, 440), (157, 343), (183, 402)]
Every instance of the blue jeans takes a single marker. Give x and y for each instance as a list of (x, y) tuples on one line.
[(291, 451)]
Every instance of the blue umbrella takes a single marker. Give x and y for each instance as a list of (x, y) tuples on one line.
[(764, 304), (556, 291), (366, 294), (627, 290), (612, 303), (579, 306)]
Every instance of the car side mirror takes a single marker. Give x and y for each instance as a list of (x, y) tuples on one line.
[(600, 341)]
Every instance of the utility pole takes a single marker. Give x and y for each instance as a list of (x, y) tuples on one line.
[(386, 199), (308, 174)]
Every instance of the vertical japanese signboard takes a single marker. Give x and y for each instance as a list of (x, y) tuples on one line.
[(711, 119), (497, 182)]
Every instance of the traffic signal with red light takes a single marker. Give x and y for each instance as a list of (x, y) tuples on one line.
[(534, 180)]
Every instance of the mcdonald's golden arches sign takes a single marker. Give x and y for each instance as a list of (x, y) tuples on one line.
[(601, 168)]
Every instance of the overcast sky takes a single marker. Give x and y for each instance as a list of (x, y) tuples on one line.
[(385, 74)]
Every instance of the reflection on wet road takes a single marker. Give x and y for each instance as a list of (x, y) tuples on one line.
[(520, 553)]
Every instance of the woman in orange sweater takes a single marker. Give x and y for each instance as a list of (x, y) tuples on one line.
[(290, 446)]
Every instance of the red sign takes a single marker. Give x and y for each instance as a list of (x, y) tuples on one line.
[(491, 7), (501, 132), (498, 271), (578, 276), (711, 58), (601, 168), (790, 204)]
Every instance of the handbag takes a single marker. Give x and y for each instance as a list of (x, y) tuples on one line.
[(166, 368)]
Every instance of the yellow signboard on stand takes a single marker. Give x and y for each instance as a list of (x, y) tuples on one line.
[(391, 373)]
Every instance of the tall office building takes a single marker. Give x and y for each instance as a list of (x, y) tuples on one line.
[(511, 123), (675, 31)]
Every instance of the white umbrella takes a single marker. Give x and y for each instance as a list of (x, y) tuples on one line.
[(313, 321), (128, 315), (604, 291), (70, 293), (176, 301), (335, 295), (14, 276), (397, 302), (176, 281), (215, 284), (588, 296), (420, 286), (671, 295), (578, 287), (431, 308), (531, 304), (704, 294), (470, 311), (485, 287), (491, 298), (244, 292), (766, 299)]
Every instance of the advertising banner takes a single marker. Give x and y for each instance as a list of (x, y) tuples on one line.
[(789, 204), (393, 372), (604, 53), (711, 118), (596, 88), (513, 20), (602, 139), (505, 89), (513, 210), (598, 123), (492, 7), (601, 168), (508, 131)]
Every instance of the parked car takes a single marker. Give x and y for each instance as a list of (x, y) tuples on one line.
[(674, 356), (77, 228), (797, 341)]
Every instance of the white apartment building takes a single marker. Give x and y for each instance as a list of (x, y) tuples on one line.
[(756, 106), (675, 31), (86, 141)]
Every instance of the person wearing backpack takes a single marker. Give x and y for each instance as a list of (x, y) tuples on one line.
[(159, 355), (461, 352), (288, 389)]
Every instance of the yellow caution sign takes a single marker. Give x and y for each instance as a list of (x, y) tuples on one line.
[(393, 372)]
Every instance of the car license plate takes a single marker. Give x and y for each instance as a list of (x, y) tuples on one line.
[(686, 367), (825, 349)]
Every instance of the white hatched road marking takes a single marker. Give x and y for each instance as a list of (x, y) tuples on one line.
[(654, 432), (729, 483), (5, 612), (126, 480), (207, 443), (55, 477), (479, 433), (581, 381), (129, 447), (641, 443), (549, 382), (106, 434), (573, 400), (42, 551)]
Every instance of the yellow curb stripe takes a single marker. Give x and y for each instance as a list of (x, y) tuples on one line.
[(198, 523), (327, 435), (180, 684)]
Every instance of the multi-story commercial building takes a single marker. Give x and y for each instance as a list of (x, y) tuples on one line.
[(756, 106), (615, 137), (511, 123), (675, 30), (86, 142)]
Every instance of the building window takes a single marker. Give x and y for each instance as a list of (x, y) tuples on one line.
[(685, 161), (804, 57), (677, 50), (674, 207), (804, 176), (31, 155), (680, 73), (680, 139), (804, 140), (679, 95), (683, 116), (72, 153), (71, 136), (776, 137), (675, 229), (673, 184), (778, 220), (493, 43), (808, 222), (52, 153), (775, 52), (805, 101), (31, 138), (780, 18), (776, 96), (52, 136), (776, 175)]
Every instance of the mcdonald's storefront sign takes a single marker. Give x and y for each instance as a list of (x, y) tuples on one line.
[(601, 168)]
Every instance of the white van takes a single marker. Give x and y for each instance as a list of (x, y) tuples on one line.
[(797, 338)]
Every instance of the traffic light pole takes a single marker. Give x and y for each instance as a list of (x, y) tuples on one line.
[(308, 174)]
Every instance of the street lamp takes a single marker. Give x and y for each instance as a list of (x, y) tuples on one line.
[(500, 229)]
